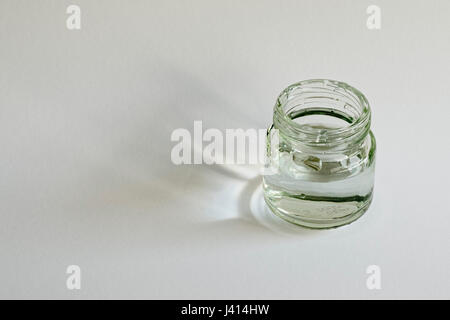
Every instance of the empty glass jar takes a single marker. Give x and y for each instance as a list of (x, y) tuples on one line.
[(324, 157)]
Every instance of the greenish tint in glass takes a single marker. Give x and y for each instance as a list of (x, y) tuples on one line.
[(325, 157)]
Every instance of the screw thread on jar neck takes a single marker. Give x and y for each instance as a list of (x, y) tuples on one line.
[(322, 113)]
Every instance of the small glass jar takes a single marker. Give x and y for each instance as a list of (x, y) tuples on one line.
[(324, 157)]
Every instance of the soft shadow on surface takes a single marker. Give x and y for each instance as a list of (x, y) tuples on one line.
[(134, 186), (251, 205)]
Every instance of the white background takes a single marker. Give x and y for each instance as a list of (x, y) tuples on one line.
[(85, 171)]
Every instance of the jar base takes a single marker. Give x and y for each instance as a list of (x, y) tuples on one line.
[(317, 214)]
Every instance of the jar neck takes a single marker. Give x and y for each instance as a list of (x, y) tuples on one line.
[(323, 114)]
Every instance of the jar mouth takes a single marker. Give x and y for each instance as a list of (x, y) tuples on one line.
[(322, 112)]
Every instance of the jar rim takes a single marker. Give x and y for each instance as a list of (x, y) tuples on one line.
[(359, 127)]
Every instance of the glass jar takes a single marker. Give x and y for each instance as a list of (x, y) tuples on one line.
[(324, 156)]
